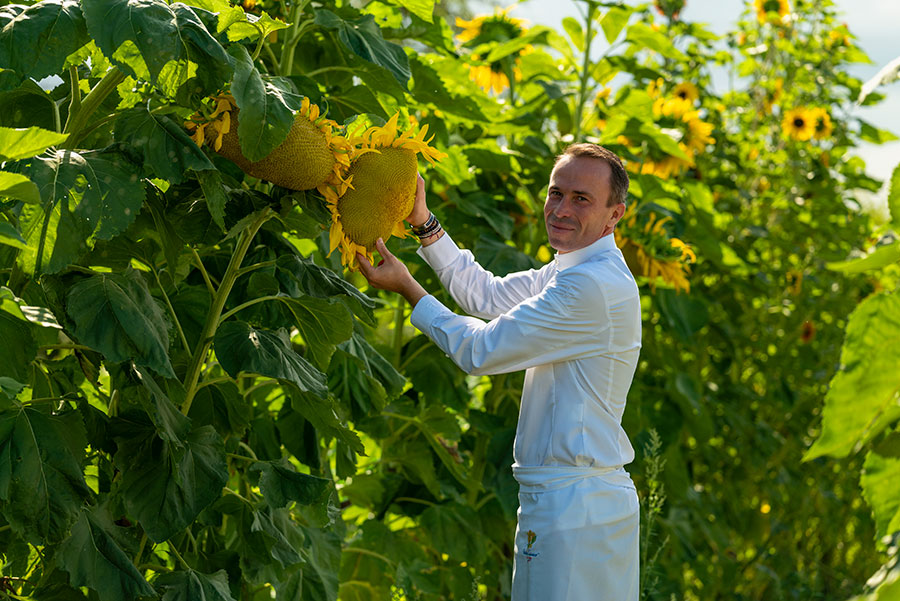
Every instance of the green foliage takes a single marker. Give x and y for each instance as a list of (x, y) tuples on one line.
[(196, 401)]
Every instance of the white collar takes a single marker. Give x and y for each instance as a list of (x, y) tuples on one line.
[(575, 257)]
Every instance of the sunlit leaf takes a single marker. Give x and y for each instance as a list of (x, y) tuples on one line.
[(302, 276), (23, 143), (614, 21), (19, 187), (84, 196), (160, 34), (644, 36), (862, 398), (881, 257), (878, 483), (894, 196), (423, 9), (267, 110)]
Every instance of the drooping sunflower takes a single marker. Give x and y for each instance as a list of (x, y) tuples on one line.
[(377, 190), (771, 11), (310, 156), (799, 123), (651, 253), (498, 28), (822, 123), (677, 118)]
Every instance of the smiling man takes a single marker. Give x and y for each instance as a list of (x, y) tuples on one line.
[(575, 327)]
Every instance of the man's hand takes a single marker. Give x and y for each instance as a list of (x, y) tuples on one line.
[(420, 212), (391, 274)]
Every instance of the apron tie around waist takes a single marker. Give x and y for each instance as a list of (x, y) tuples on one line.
[(543, 478)]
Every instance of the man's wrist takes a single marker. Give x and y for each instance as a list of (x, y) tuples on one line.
[(418, 220)]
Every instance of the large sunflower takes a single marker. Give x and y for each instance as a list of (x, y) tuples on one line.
[(310, 156), (799, 123), (771, 11), (496, 28), (377, 190)]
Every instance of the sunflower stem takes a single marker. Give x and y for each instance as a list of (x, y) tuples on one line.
[(399, 318), (75, 124), (218, 304), (585, 75)]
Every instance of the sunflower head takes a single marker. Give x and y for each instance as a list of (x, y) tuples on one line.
[(651, 253), (377, 190), (821, 122), (498, 27), (311, 154), (771, 11), (799, 124), (676, 117), (686, 91)]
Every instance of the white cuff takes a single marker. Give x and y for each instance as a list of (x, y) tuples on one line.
[(425, 312), (440, 254)]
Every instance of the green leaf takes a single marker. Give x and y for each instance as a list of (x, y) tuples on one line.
[(879, 486), (429, 87), (266, 110), (22, 143), (301, 276), (363, 37), (870, 133), (37, 42), (894, 196), (881, 257), (323, 324), (19, 349), (644, 36), (93, 559), (861, 400), (166, 148), (115, 315), (154, 35), (243, 348), (16, 307), (614, 21), (424, 9), (684, 314), (214, 192), (665, 142), (19, 187), (166, 484), (171, 424), (84, 196), (576, 33), (280, 484), (534, 35), (223, 407), (373, 365), (444, 523), (190, 585), (322, 415), (41, 481), (9, 235)]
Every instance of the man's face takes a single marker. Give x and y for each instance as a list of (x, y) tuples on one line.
[(576, 211)]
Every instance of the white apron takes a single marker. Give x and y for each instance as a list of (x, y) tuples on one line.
[(577, 535)]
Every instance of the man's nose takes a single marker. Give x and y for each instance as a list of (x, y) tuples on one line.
[(563, 208)]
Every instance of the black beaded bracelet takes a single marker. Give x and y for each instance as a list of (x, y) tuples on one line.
[(429, 223), (430, 231)]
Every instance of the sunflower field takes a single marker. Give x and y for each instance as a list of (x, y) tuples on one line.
[(200, 397)]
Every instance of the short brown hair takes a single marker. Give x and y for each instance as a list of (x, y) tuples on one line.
[(618, 189)]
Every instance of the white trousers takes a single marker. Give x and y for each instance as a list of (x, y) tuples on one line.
[(577, 535)]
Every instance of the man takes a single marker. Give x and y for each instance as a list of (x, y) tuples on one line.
[(575, 326)]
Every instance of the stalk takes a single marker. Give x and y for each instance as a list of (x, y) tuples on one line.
[(582, 92), (76, 123), (218, 304)]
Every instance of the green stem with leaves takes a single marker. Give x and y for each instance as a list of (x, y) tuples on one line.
[(585, 73), (77, 122), (218, 304)]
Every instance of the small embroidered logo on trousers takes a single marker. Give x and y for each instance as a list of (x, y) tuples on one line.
[(528, 552)]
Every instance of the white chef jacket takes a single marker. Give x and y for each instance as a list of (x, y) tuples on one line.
[(575, 327)]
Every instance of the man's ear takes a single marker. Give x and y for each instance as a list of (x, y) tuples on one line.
[(618, 212)]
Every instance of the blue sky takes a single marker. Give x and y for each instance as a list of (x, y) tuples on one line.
[(873, 22)]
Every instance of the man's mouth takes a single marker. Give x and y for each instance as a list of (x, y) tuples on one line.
[(561, 227)]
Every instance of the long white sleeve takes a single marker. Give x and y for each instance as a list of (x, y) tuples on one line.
[(475, 289)]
